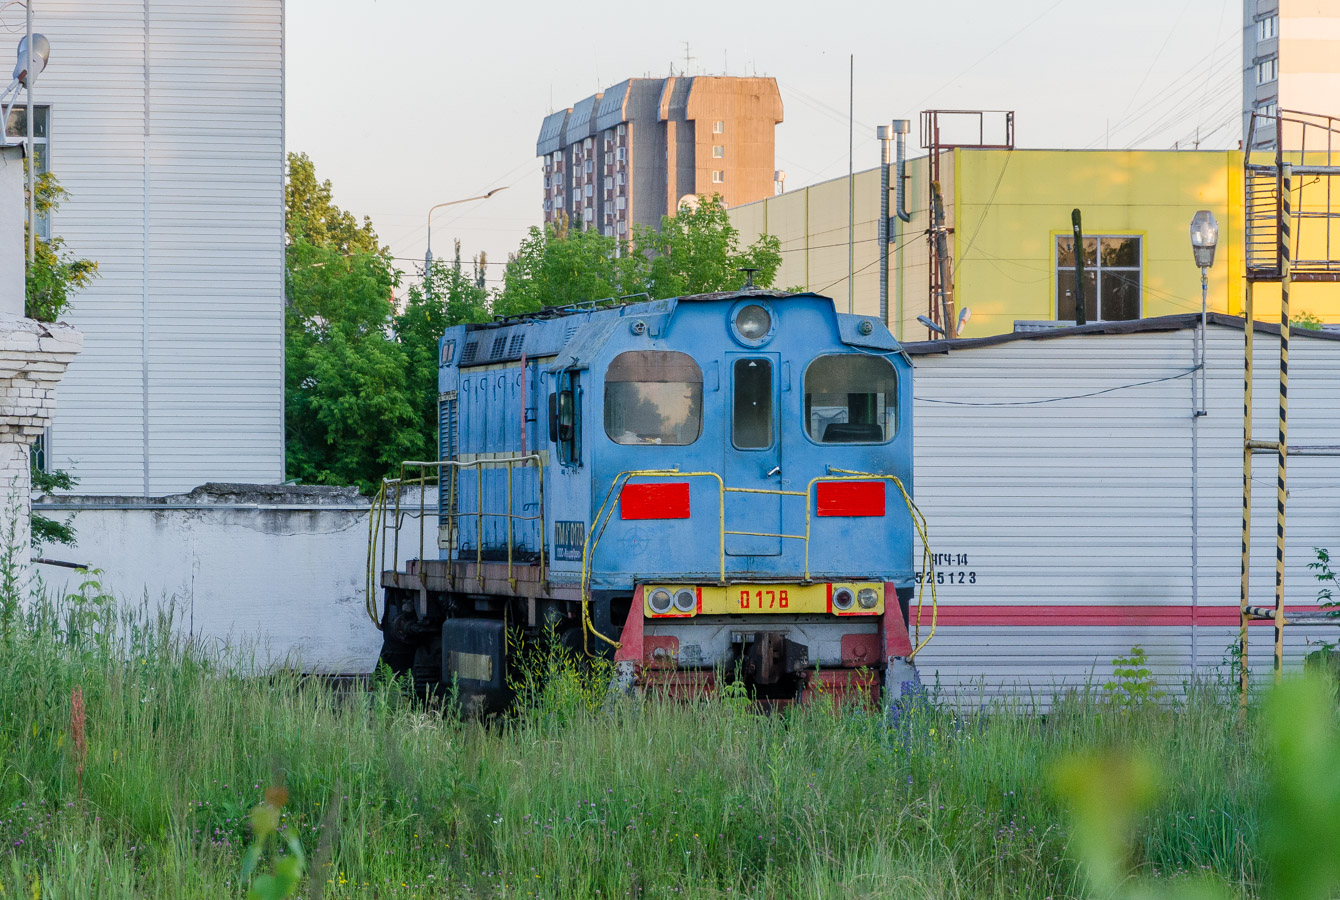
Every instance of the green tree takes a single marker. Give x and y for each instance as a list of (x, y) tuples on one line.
[(54, 274), (560, 265), (349, 406), (697, 251), (312, 215), (447, 297), (50, 279)]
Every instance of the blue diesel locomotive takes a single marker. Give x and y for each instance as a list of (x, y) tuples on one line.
[(704, 487)]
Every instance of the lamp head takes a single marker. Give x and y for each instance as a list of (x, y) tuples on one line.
[(1204, 238), (41, 53)]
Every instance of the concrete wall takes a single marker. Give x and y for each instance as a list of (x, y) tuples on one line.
[(281, 566)]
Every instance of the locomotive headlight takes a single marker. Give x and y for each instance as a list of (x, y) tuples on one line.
[(686, 601), (753, 322), (868, 598), (660, 601), (843, 598)]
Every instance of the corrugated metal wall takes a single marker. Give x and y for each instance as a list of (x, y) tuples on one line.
[(1056, 476), (167, 130)]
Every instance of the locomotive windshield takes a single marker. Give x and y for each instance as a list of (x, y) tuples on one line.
[(653, 397), (851, 399)]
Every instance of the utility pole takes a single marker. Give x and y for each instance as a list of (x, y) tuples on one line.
[(941, 237), (29, 78), (1080, 314), (851, 182)]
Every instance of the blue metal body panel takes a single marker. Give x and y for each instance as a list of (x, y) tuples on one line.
[(493, 399)]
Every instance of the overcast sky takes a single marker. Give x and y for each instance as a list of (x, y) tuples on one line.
[(408, 103)]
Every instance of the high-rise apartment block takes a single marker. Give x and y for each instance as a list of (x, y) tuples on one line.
[(1290, 60), (633, 153)]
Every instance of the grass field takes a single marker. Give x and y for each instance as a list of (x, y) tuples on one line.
[(567, 799)]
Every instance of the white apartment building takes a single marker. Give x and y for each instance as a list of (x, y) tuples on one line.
[(1290, 60), (164, 119)]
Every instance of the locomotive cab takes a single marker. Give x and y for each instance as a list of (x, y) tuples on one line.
[(703, 487)]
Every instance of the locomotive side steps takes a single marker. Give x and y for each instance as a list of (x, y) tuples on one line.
[(387, 514)]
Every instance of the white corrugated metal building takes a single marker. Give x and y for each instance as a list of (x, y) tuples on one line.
[(1056, 471), (166, 125)]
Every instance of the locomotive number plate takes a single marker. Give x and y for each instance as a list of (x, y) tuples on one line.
[(770, 599)]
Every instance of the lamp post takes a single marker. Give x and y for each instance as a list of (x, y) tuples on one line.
[(428, 254), (1204, 239)]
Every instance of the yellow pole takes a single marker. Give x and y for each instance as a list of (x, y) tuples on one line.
[(1282, 451), (1248, 341)]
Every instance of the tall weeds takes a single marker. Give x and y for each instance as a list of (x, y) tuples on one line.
[(568, 797)]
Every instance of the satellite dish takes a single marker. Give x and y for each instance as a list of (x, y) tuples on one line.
[(689, 200), (41, 53)]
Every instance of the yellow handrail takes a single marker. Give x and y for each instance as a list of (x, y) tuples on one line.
[(606, 512), (377, 519), (927, 558)]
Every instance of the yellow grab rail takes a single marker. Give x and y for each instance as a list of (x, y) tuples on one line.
[(606, 512), (378, 524)]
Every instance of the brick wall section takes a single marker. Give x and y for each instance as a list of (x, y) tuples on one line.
[(33, 359)]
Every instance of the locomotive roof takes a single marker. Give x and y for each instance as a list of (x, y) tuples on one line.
[(587, 306), (573, 332)]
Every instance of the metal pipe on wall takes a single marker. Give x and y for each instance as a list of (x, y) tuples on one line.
[(900, 129), (884, 133)]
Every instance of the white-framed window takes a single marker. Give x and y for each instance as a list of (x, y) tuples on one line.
[(590, 165), (719, 126), (718, 151), (609, 183), (1268, 28), (609, 231), (623, 154), (589, 190), (587, 144), (1267, 70), (620, 202), (623, 178), (718, 176), (623, 227), (1113, 277), (16, 128), (1269, 109)]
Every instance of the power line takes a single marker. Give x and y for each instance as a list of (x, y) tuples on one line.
[(1120, 387)]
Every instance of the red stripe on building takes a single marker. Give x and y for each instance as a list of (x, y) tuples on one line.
[(1098, 616)]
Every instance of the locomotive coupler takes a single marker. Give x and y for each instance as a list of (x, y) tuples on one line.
[(767, 656)]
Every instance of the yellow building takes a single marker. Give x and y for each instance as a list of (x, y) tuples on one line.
[(1009, 215)]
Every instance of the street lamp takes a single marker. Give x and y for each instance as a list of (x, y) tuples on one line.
[(428, 254), (1204, 238)]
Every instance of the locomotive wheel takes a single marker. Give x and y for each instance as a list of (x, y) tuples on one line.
[(396, 655), (427, 671)]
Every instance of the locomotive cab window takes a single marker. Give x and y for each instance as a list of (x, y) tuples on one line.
[(653, 397), (851, 398), (565, 419), (751, 407)]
